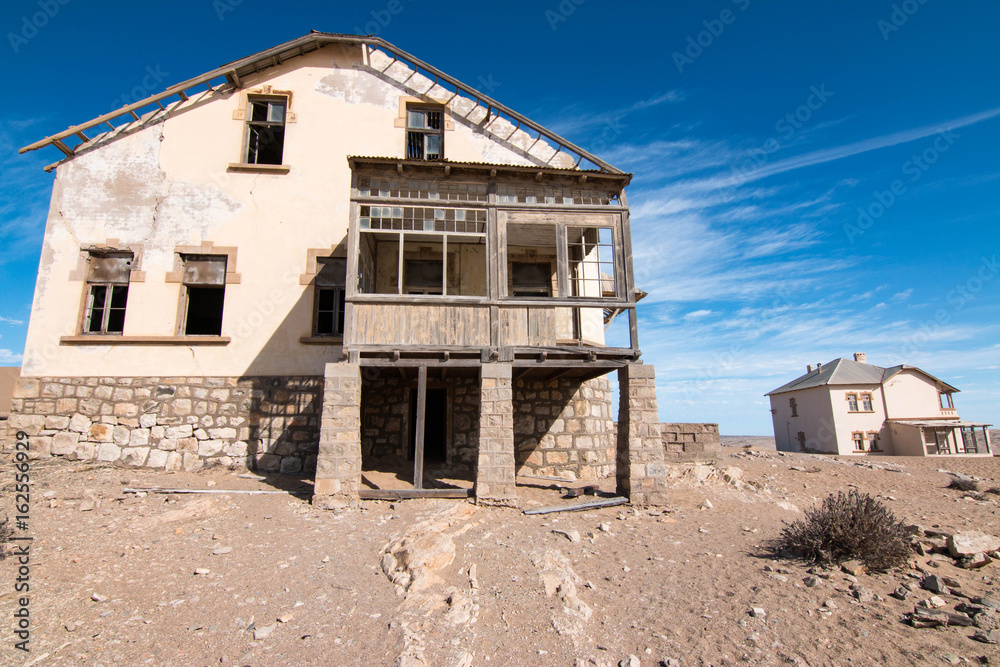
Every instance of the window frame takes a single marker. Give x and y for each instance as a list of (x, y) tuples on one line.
[(249, 124), (872, 440), (339, 311), (942, 395), (852, 402), (858, 439), (425, 109), (867, 402), (187, 286), (109, 287), (794, 406)]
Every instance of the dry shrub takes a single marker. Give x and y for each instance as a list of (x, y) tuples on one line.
[(994, 490), (847, 526), (963, 484)]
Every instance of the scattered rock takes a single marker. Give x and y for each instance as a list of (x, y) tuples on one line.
[(201, 570), (934, 584), (926, 618), (974, 562), (285, 618), (758, 612), (707, 505), (853, 567), (812, 582), (98, 598), (221, 551), (571, 535), (262, 633), (900, 593), (987, 636), (933, 602), (604, 527), (971, 543), (630, 661), (70, 627)]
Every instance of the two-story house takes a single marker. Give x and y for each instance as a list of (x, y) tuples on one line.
[(333, 258), (853, 407)]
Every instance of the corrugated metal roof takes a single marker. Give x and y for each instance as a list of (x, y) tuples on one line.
[(937, 423), (848, 372), (8, 376), (569, 171)]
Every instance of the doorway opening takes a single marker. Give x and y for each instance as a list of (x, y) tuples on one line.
[(435, 426)]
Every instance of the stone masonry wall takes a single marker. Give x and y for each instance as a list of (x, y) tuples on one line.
[(689, 442), (385, 418), (266, 423), (564, 428)]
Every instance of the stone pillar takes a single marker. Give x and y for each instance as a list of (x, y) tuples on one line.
[(495, 467), (640, 470), (338, 466)]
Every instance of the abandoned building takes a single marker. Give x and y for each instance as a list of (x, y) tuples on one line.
[(851, 407), (331, 256)]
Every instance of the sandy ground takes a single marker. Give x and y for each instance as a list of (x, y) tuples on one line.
[(231, 579)]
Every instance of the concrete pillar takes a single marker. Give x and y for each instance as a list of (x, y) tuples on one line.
[(338, 466), (495, 464), (641, 474)]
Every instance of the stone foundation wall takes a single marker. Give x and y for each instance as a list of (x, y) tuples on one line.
[(385, 419), (690, 442), (265, 423), (564, 428)]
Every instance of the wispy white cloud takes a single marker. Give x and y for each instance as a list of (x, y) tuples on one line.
[(576, 122), (9, 357), (7, 320)]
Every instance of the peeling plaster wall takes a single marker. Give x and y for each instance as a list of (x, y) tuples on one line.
[(163, 182)]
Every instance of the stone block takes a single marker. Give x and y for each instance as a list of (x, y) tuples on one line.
[(108, 451), (135, 456), (101, 433), (64, 443), (157, 458), (210, 447), (84, 451), (26, 388), (121, 436)]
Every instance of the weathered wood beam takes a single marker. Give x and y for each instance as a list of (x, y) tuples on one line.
[(418, 456)]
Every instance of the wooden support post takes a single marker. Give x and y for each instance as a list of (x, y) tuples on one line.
[(418, 455)]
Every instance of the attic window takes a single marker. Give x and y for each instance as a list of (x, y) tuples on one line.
[(265, 136), (424, 133), (946, 402)]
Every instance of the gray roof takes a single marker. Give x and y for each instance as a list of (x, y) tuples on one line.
[(848, 372)]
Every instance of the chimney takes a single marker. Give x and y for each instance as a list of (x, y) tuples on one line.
[(819, 367), (809, 368), (860, 357)]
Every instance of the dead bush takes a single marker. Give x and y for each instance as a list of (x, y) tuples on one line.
[(963, 484), (847, 526)]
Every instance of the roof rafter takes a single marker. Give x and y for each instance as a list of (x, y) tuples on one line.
[(229, 78)]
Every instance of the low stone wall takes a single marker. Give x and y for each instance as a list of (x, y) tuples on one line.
[(266, 423), (691, 442), (564, 428)]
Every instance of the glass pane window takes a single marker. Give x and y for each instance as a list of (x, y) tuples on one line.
[(107, 293), (424, 137), (866, 402), (330, 303), (265, 131), (591, 261), (205, 281), (852, 402)]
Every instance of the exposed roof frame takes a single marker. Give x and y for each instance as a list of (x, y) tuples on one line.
[(228, 77)]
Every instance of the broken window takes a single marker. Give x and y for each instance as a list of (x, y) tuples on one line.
[(591, 261), (946, 402), (531, 247), (859, 441), (422, 251), (205, 284), (265, 130), (794, 406), (530, 194), (331, 276), (107, 293), (424, 133), (873, 441)]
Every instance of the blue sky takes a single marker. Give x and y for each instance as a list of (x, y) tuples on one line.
[(811, 179)]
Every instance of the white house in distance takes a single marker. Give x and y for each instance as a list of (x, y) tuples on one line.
[(853, 407)]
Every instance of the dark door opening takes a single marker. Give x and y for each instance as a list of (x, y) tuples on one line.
[(435, 426)]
